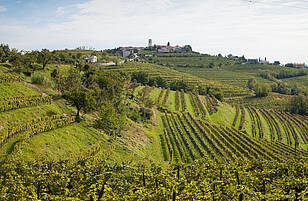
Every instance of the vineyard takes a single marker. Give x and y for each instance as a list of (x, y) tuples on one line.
[(5, 78), (28, 119), (192, 130), (273, 125), (199, 106), (34, 127), (188, 139), (154, 70), (24, 101), (91, 177), (190, 147)]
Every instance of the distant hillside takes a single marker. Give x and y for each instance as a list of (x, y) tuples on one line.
[(154, 70)]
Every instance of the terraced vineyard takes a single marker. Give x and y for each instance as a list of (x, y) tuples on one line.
[(161, 71), (188, 139), (193, 132), (143, 142), (27, 117), (199, 106), (274, 126)]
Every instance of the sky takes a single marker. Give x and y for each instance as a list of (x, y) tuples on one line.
[(275, 29)]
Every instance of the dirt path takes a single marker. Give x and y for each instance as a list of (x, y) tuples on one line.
[(58, 103), (34, 87)]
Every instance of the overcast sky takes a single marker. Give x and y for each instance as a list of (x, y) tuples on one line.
[(276, 29)]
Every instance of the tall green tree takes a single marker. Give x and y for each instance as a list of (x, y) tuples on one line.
[(81, 98), (262, 90), (72, 79), (4, 52), (44, 57)]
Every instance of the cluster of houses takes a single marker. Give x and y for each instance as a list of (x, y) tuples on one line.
[(165, 48), (132, 52), (260, 61), (128, 51)]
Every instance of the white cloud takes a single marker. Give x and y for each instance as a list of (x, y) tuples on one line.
[(60, 11), (2, 9), (271, 28)]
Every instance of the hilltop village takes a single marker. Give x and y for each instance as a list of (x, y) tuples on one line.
[(133, 53)]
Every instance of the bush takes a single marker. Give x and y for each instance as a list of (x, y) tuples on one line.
[(110, 120), (298, 105), (37, 78), (217, 92), (262, 90)]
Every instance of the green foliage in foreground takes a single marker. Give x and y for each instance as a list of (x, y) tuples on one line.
[(91, 179)]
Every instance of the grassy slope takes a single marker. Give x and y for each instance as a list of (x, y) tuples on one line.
[(189, 105), (137, 143), (61, 143), (266, 129), (225, 115), (54, 144), (154, 94), (171, 101), (16, 89), (248, 122), (26, 114), (153, 146)]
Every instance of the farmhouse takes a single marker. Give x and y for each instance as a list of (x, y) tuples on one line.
[(91, 59), (126, 53)]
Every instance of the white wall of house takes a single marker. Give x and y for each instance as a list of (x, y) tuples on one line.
[(126, 53), (91, 59)]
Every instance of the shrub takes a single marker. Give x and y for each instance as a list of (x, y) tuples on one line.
[(110, 120), (298, 105), (37, 78)]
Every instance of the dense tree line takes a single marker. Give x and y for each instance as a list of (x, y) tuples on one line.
[(285, 73), (30, 61), (281, 87)]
